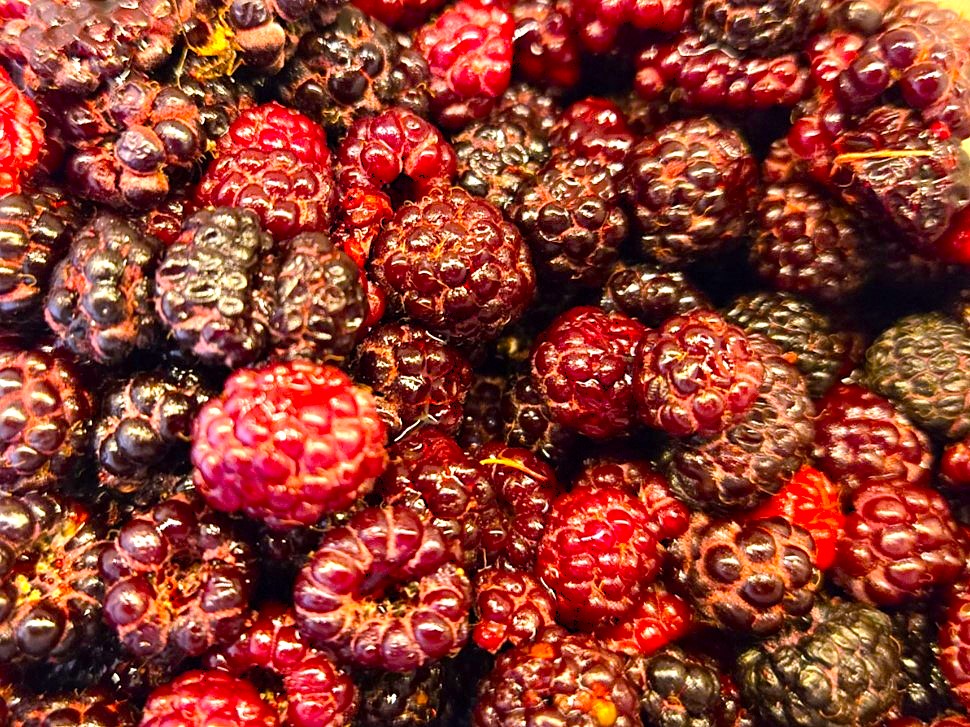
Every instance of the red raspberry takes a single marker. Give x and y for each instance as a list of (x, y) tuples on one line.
[(955, 464), (21, 136), (696, 374), (582, 366), (831, 53), (179, 581), (861, 439), (599, 21), (659, 618), (431, 476), (288, 443), (900, 542), (451, 262), (289, 194), (382, 592), (955, 640), (546, 51), (317, 692), (274, 127), (597, 555), (525, 488), (205, 699), (512, 608), (421, 379), (469, 50), (594, 129), (669, 517), (811, 501), (401, 14)]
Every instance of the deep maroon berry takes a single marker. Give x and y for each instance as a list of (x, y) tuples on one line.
[(528, 421), (596, 130), (650, 294), (758, 28), (512, 608), (599, 23), (546, 51), (482, 421)]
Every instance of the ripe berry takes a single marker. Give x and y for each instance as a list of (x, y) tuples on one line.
[(274, 127), (758, 28), (650, 294), (658, 618), (205, 698), (546, 50), (599, 22), (512, 608), (596, 130), (23, 136)]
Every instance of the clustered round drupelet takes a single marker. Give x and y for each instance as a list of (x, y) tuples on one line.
[(484, 363)]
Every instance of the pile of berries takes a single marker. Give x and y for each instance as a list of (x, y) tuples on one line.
[(484, 363)]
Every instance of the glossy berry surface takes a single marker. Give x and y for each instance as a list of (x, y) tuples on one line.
[(512, 608), (200, 698)]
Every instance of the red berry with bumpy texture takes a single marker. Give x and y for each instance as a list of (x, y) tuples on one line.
[(900, 542), (525, 488), (658, 618), (697, 374), (421, 379), (431, 476), (512, 608), (751, 460), (594, 129), (204, 698), (582, 366), (546, 50), (403, 14), (45, 423), (810, 501), (450, 262), (469, 51), (179, 581), (274, 127), (288, 443), (954, 639), (599, 22), (749, 576), (560, 678), (422, 615), (597, 555), (689, 186), (955, 464), (101, 301), (758, 28), (862, 439), (23, 136)]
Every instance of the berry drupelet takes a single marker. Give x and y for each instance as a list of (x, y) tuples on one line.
[(599, 23), (382, 592), (752, 576), (842, 670), (199, 698), (596, 130), (696, 374), (512, 608), (450, 262), (214, 287), (558, 678), (46, 420), (650, 294), (546, 50), (288, 443), (658, 618), (101, 299), (689, 188), (582, 366), (179, 579), (50, 588), (862, 439), (417, 377), (321, 304), (597, 555), (36, 227), (758, 28)]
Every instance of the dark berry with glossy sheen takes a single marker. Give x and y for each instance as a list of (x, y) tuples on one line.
[(383, 593), (421, 379), (748, 462), (582, 366), (924, 688), (822, 351), (689, 187), (809, 244), (594, 129), (697, 374), (900, 542), (431, 476), (450, 262), (525, 488), (650, 294), (862, 439), (45, 422), (35, 231), (101, 300), (93, 707), (482, 419), (179, 581), (288, 443), (201, 698), (321, 303), (758, 28), (570, 215), (469, 51), (597, 555), (750, 576), (842, 670), (921, 364), (418, 698), (512, 608), (145, 420), (50, 588), (214, 287), (528, 421)]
